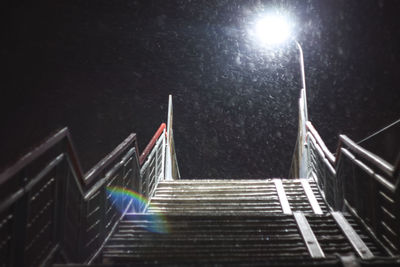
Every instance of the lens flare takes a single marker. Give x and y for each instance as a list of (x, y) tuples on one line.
[(153, 222)]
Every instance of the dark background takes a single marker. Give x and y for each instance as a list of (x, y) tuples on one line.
[(105, 69)]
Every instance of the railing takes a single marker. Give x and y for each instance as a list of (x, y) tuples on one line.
[(298, 167), (354, 179), (369, 187), (299, 163), (321, 164), (51, 211), (359, 181), (152, 163), (158, 160)]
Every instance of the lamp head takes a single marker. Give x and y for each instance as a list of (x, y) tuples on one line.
[(272, 30)]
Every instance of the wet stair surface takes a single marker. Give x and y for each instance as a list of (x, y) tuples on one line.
[(229, 222), (232, 196)]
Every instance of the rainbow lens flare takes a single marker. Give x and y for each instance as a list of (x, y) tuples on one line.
[(153, 222)]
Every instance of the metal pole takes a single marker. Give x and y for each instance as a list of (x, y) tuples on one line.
[(168, 163), (303, 149), (303, 77)]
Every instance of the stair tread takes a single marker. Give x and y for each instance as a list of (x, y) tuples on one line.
[(226, 220)]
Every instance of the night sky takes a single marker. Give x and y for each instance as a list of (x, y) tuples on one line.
[(105, 69)]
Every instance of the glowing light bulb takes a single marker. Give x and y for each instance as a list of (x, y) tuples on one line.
[(272, 30)]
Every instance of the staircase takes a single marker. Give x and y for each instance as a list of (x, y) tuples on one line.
[(230, 222), (132, 209)]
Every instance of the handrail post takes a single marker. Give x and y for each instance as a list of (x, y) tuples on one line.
[(171, 166), (19, 231), (168, 159)]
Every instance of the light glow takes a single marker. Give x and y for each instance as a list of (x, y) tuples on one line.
[(272, 30)]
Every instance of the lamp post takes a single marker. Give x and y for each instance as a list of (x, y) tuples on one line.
[(302, 150), (303, 77), (273, 30)]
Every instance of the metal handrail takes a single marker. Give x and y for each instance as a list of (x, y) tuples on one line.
[(55, 174), (153, 168), (320, 142), (368, 175), (378, 162), (40, 150), (151, 144), (345, 174), (99, 167), (65, 197), (61, 135)]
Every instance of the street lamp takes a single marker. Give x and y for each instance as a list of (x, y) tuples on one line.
[(272, 30)]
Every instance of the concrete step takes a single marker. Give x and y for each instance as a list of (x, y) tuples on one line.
[(261, 195), (223, 239), (227, 222)]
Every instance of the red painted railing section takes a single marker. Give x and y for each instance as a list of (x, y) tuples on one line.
[(151, 144)]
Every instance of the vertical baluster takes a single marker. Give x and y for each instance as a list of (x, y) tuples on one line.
[(373, 204), (102, 213), (125, 173), (163, 156), (396, 213), (339, 187), (80, 246), (156, 167), (148, 179), (19, 227), (64, 214), (57, 209), (354, 187), (136, 184)]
